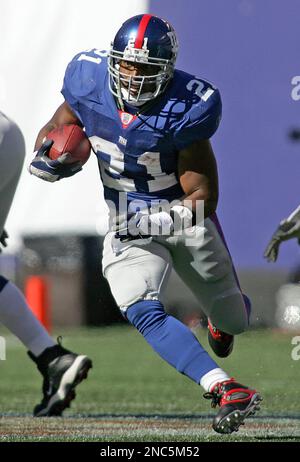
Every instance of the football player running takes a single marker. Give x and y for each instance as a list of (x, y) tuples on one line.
[(149, 125), (61, 369)]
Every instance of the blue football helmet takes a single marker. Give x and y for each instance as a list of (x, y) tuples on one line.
[(149, 42)]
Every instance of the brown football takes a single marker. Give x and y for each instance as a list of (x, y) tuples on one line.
[(72, 139)]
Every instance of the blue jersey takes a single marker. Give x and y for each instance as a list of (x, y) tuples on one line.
[(138, 155)]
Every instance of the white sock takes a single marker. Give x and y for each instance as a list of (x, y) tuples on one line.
[(16, 315), (209, 380)]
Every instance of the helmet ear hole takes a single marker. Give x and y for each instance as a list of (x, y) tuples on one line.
[(148, 40)]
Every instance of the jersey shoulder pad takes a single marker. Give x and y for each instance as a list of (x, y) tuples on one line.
[(84, 76), (201, 109)]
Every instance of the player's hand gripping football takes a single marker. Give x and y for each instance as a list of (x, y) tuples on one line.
[(52, 170), (285, 231)]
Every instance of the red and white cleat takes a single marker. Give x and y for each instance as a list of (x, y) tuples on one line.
[(237, 402)]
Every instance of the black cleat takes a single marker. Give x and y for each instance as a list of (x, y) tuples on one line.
[(237, 402), (62, 371), (220, 342)]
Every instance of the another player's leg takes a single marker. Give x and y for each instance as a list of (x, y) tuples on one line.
[(62, 370), (137, 277), (12, 153)]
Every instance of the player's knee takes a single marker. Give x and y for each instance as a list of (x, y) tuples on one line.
[(126, 291), (144, 315), (236, 328), (230, 313)]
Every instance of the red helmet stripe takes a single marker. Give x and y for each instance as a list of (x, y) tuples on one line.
[(139, 40)]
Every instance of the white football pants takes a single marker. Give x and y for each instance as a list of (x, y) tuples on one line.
[(140, 272)]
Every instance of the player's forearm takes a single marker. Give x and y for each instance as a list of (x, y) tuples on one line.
[(198, 174), (63, 115)]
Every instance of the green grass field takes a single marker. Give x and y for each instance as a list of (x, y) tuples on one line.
[(132, 395)]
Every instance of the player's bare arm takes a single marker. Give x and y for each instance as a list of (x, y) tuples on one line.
[(198, 175), (63, 115)]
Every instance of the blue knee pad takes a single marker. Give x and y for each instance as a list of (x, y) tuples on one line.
[(171, 339), (3, 282)]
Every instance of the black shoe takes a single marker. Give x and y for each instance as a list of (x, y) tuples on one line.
[(62, 371), (237, 402), (220, 342)]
